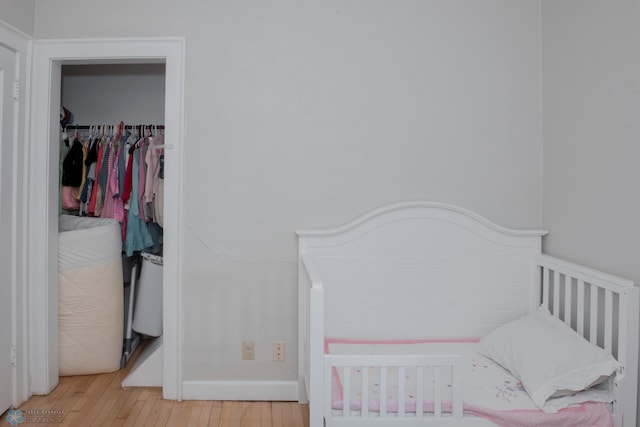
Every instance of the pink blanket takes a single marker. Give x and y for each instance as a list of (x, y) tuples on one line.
[(490, 391)]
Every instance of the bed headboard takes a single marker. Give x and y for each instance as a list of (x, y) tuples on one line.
[(467, 274)]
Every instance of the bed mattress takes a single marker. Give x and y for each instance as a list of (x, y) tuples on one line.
[(490, 391), (90, 295)]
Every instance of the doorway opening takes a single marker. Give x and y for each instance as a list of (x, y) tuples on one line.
[(49, 58)]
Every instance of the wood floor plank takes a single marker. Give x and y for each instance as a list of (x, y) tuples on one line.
[(125, 395), (265, 414), (155, 412), (135, 395), (250, 414), (194, 414), (204, 415), (165, 408), (180, 414), (287, 416), (146, 408), (216, 414), (70, 418), (132, 419), (305, 415), (296, 413), (276, 414), (101, 409)]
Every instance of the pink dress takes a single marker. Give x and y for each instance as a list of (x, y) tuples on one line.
[(113, 207)]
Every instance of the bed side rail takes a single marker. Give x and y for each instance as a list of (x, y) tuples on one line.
[(603, 309), (445, 400)]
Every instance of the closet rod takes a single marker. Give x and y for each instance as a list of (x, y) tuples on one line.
[(87, 127)]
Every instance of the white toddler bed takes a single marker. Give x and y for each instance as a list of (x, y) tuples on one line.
[(427, 303)]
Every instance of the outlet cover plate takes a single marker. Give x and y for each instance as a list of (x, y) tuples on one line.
[(279, 351)]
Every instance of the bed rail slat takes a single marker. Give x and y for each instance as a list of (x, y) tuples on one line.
[(593, 321), (346, 395), (567, 299), (608, 321), (580, 308), (437, 384), (401, 395), (457, 391), (623, 331), (365, 391), (419, 392), (556, 293), (545, 287), (383, 391)]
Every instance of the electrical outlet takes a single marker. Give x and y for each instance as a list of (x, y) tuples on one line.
[(248, 348), (278, 350)]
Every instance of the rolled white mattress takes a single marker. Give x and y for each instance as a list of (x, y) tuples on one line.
[(90, 295)]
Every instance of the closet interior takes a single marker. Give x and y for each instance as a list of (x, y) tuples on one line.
[(111, 219)]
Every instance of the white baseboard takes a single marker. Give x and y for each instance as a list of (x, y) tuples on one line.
[(240, 390)]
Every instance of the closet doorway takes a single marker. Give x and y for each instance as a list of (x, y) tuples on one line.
[(49, 58)]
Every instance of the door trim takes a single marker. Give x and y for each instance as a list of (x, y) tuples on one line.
[(20, 43), (49, 55)]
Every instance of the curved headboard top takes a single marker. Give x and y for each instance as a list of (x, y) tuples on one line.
[(417, 209)]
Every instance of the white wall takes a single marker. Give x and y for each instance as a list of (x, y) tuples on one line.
[(306, 114), (591, 75), (591, 81), (19, 14), (109, 93)]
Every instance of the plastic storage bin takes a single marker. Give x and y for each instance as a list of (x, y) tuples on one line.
[(147, 315)]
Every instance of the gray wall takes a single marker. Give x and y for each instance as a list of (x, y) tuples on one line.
[(109, 93), (591, 82), (19, 14), (307, 114)]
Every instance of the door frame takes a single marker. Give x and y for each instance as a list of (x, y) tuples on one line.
[(48, 58), (21, 44)]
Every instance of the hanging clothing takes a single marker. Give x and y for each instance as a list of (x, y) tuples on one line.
[(90, 165), (142, 174), (126, 192), (85, 153), (102, 179), (94, 194), (159, 194), (72, 165), (64, 150), (72, 168), (153, 167), (158, 203), (138, 237), (122, 161), (112, 203), (121, 177)]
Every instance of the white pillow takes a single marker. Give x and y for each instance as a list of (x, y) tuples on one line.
[(551, 360)]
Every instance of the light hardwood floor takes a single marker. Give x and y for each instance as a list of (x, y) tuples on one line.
[(99, 400)]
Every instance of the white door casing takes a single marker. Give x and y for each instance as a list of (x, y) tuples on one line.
[(13, 175), (49, 56), (7, 274)]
